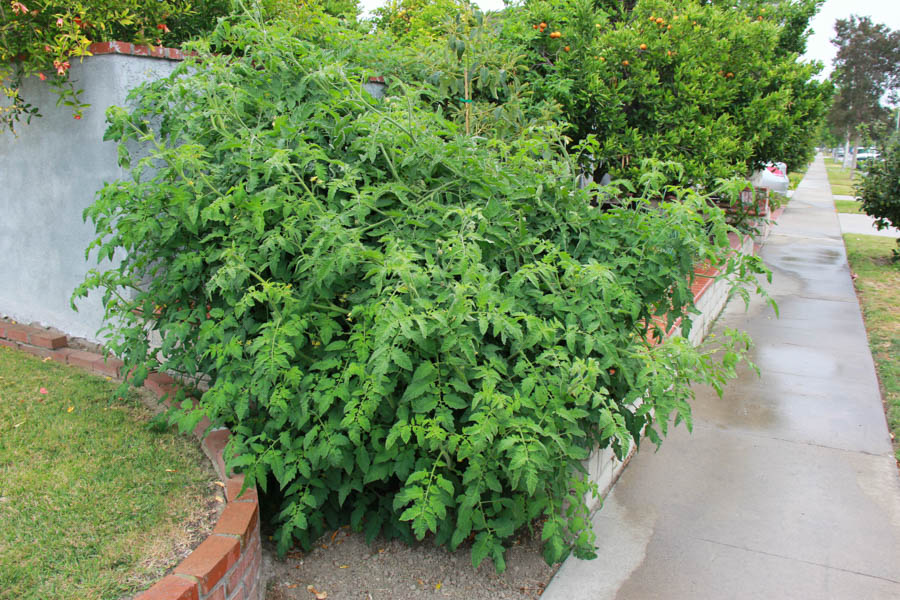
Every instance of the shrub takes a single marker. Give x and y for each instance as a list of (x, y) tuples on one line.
[(880, 189), (406, 328), (714, 87)]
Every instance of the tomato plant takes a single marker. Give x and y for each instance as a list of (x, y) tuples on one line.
[(407, 328)]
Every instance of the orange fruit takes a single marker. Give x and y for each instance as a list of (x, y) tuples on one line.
[(543, 25), (566, 48), (659, 21), (625, 63), (643, 46)]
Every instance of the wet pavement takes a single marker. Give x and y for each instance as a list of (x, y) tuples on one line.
[(865, 225), (787, 487)]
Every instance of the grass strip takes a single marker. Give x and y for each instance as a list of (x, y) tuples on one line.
[(94, 504), (877, 282), (842, 180), (852, 207)]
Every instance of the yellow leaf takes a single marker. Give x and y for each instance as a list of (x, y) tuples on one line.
[(71, 408), (438, 585)]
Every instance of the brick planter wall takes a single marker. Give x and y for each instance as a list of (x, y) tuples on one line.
[(225, 566)]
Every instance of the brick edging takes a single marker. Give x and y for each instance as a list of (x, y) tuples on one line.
[(225, 566)]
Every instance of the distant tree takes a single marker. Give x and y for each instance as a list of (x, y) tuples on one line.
[(867, 69)]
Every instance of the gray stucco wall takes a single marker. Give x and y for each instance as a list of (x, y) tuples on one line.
[(48, 176)]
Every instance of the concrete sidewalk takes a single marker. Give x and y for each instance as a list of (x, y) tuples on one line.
[(787, 487)]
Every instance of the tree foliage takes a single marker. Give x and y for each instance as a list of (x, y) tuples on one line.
[(719, 90), (867, 68), (41, 38), (407, 328)]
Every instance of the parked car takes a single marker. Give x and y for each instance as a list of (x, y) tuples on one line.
[(866, 157)]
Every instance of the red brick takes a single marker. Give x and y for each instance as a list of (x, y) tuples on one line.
[(99, 48), (86, 360), (48, 339), (17, 333), (140, 50), (233, 487), (3, 326), (236, 577), (171, 588), (160, 384), (61, 355), (253, 594), (214, 446), (217, 594), (121, 47), (158, 52), (238, 518), (210, 561), (111, 367), (237, 593), (9, 344), (200, 429)]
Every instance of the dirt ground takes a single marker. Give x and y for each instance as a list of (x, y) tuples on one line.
[(343, 567)]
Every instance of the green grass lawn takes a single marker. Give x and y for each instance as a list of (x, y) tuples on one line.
[(849, 206), (841, 179), (93, 503), (877, 282)]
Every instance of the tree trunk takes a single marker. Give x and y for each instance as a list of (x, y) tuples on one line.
[(855, 152), (846, 162)]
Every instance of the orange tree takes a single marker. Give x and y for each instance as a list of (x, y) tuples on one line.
[(718, 89), (40, 38)]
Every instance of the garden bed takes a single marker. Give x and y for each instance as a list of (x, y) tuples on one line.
[(342, 565)]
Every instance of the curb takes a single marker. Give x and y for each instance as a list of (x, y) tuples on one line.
[(225, 566)]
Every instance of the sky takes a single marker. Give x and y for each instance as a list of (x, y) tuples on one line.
[(819, 46)]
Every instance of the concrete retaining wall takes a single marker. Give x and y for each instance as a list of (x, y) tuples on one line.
[(710, 297), (48, 175)]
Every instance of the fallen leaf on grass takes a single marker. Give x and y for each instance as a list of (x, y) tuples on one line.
[(344, 567), (46, 359), (43, 391), (70, 409), (319, 595), (438, 585), (171, 471), (219, 483)]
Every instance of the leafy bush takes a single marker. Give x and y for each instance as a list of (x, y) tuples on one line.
[(406, 328), (717, 88), (880, 189)]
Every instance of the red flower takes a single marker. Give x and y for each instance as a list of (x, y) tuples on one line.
[(59, 22), (48, 48), (164, 28), (42, 77), (18, 7), (61, 67), (76, 117)]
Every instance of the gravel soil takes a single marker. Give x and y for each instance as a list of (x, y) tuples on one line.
[(343, 567)]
